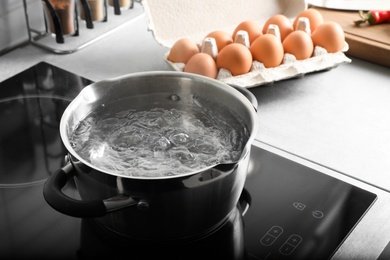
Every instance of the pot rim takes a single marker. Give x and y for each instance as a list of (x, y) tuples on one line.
[(204, 79)]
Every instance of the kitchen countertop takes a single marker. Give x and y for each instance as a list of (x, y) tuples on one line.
[(337, 118)]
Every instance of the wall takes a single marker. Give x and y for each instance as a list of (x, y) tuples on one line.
[(13, 28)]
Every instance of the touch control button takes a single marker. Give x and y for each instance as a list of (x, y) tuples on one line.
[(286, 249), (275, 231), (317, 214), (294, 240), (267, 240), (299, 206), (272, 234), (291, 243)]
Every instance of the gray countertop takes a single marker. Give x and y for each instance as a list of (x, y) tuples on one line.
[(338, 118)]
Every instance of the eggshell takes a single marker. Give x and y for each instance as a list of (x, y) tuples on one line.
[(251, 27), (267, 49), (202, 64), (299, 44), (330, 36), (284, 24), (314, 16), (222, 38), (182, 50), (236, 58)]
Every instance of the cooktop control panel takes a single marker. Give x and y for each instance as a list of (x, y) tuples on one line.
[(297, 212)]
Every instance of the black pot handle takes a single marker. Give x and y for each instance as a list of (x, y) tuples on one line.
[(249, 95), (78, 208)]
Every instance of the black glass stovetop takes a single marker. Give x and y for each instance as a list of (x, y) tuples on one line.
[(294, 212)]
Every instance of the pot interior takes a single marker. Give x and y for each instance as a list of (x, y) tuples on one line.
[(125, 98)]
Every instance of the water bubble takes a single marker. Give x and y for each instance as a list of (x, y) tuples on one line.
[(164, 143), (207, 149), (73, 144), (179, 138), (181, 154), (174, 97), (82, 128)]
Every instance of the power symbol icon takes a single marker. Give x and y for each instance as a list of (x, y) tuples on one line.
[(317, 214)]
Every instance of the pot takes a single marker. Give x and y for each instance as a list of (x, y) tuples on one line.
[(162, 208)]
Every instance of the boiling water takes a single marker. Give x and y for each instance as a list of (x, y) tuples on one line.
[(159, 141)]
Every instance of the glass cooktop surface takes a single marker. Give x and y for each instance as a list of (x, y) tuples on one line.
[(286, 211)]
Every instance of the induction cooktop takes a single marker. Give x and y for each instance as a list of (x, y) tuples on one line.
[(286, 211)]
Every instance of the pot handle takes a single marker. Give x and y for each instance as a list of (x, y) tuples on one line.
[(78, 208), (247, 94)]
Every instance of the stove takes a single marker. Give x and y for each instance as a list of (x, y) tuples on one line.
[(286, 211)]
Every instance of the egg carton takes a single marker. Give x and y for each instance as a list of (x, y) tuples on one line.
[(290, 68), (171, 20)]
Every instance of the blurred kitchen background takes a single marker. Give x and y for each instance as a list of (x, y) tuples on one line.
[(13, 24)]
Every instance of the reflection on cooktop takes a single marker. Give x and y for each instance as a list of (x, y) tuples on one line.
[(31, 148), (43, 79), (31, 106)]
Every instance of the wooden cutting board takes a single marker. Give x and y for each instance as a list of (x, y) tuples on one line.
[(371, 43)]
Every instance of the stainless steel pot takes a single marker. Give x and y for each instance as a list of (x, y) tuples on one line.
[(153, 208)]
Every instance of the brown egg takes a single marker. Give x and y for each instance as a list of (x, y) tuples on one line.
[(299, 44), (284, 24), (330, 36), (222, 38), (182, 50), (251, 27), (314, 16), (268, 49), (236, 58), (202, 64)]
